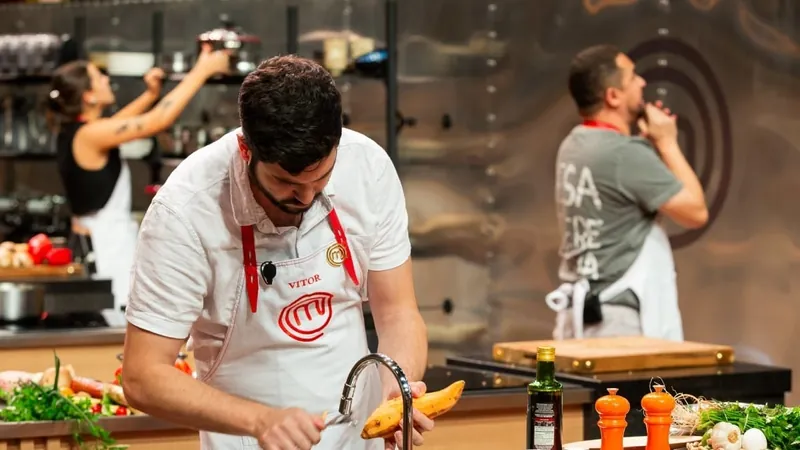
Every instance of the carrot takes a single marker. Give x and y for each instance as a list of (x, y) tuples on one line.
[(92, 387)]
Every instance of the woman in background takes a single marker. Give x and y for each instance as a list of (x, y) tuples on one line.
[(96, 180)]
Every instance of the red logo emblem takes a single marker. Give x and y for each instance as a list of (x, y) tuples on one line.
[(304, 319)]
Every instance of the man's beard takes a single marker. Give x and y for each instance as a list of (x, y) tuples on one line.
[(289, 206)]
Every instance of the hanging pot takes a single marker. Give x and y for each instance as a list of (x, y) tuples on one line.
[(245, 48)]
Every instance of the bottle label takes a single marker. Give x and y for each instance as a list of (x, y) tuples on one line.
[(544, 426), (544, 421)]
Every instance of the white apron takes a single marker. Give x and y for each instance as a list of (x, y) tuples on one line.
[(113, 232), (651, 277), (299, 345)]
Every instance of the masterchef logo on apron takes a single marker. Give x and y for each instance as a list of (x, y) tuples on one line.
[(336, 255), (305, 319)]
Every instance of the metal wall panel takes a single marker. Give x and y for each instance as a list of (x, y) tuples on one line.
[(480, 192)]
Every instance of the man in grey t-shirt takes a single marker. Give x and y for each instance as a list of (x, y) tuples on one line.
[(610, 187)]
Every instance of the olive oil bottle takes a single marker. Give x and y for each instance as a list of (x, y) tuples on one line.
[(545, 404)]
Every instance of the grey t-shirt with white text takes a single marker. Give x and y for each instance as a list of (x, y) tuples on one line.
[(608, 190)]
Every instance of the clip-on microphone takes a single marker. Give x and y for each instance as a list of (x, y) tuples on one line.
[(268, 271)]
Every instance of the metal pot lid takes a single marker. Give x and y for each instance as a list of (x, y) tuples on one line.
[(227, 32), (10, 286), (226, 35)]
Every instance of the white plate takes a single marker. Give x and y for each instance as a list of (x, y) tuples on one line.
[(633, 443)]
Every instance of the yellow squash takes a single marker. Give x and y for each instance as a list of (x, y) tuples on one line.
[(385, 420)]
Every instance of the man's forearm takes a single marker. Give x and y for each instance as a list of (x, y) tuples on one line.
[(673, 158), (404, 339), (171, 395)]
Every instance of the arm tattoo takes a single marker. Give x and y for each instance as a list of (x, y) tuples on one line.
[(139, 125), (166, 104), (122, 128)]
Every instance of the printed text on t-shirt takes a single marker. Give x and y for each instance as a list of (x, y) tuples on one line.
[(576, 186)]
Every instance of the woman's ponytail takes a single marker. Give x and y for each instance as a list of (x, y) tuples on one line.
[(65, 99)]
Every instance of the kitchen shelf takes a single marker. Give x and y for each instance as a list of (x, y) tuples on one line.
[(25, 79), (156, 160), (44, 79), (26, 156), (78, 36), (224, 80)]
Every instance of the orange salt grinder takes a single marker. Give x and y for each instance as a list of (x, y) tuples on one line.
[(658, 408), (612, 409)]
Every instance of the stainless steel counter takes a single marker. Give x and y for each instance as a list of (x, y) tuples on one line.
[(488, 391), (62, 338)]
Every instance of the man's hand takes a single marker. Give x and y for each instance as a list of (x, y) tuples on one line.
[(421, 422), (661, 126), (290, 429)]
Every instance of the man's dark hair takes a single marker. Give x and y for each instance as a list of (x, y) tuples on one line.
[(291, 113), (591, 72)]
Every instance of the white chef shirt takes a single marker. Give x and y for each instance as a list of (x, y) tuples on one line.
[(188, 264)]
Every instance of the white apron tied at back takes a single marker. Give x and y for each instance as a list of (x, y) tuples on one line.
[(651, 277), (113, 233), (297, 349)]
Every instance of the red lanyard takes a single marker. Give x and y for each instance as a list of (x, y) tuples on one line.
[(598, 124), (251, 270)]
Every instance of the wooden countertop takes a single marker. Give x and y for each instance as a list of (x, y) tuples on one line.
[(32, 430), (475, 402)]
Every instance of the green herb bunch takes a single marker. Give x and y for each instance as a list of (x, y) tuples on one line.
[(32, 402), (780, 424)]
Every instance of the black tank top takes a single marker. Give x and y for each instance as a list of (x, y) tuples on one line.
[(87, 190)]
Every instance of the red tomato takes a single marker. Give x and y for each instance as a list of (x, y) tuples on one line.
[(118, 376), (58, 257), (121, 411), (38, 247), (97, 408)]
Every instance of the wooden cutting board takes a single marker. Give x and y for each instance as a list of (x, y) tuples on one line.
[(617, 354), (40, 271)]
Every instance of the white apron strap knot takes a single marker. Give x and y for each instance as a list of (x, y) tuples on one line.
[(651, 278), (559, 301)]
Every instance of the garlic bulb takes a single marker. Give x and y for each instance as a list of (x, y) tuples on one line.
[(754, 439), (725, 436)]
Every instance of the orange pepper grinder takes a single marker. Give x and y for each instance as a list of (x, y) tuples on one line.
[(612, 409), (658, 408)]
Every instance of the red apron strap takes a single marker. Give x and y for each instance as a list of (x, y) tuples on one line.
[(249, 257), (250, 269), (341, 239)]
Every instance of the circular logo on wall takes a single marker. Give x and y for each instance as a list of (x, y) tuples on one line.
[(704, 121), (305, 319)]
